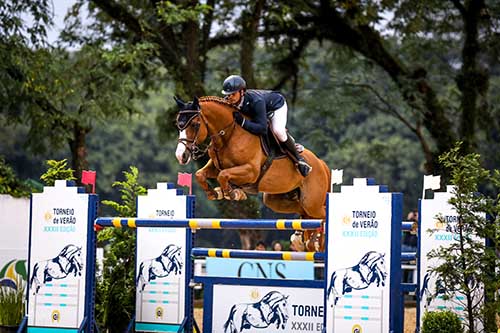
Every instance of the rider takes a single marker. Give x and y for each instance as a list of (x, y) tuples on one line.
[(260, 105)]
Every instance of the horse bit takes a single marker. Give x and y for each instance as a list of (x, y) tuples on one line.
[(192, 145)]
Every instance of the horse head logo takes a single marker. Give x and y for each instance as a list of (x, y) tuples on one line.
[(66, 262), (167, 263), (369, 270), (271, 309), (433, 286)]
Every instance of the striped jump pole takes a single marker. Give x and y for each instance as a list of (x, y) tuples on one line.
[(207, 223), (252, 254)]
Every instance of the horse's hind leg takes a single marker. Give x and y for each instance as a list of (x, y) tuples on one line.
[(287, 203), (283, 203), (313, 202)]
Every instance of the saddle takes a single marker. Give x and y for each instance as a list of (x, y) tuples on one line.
[(273, 150)]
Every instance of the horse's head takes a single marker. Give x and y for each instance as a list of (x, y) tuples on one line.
[(206, 118), (278, 303), (174, 254), (73, 254), (192, 131), (376, 262)]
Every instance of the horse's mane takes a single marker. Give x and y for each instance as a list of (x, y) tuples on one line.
[(171, 248), (272, 298), (216, 99)]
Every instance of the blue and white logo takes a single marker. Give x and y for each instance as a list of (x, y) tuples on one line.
[(68, 261), (370, 269), (169, 261), (271, 309)]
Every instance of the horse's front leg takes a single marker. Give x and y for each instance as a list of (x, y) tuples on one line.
[(209, 171), (241, 174)]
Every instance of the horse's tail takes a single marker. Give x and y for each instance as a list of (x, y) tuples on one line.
[(425, 285), (331, 288), (140, 277), (229, 326), (34, 278)]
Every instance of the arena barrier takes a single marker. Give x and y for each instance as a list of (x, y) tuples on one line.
[(361, 290)]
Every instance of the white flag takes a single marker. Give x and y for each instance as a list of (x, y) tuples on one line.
[(431, 182), (336, 178)]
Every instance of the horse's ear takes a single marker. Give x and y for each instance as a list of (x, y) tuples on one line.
[(196, 103), (180, 102)]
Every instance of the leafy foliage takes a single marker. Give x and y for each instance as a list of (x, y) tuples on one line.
[(468, 265), (10, 184), (57, 170), (116, 288), (129, 189), (13, 24), (172, 14), (441, 322)]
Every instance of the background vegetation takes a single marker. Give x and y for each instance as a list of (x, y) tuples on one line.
[(377, 88), (380, 89)]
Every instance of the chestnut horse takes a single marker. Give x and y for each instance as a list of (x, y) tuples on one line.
[(237, 160)]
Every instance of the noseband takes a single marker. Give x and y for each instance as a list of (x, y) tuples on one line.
[(192, 145), (197, 149)]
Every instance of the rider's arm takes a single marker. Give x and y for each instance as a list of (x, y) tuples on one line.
[(258, 124)]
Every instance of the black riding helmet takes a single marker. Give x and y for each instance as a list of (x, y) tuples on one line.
[(232, 84)]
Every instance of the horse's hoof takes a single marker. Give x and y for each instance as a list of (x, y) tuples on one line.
[(238, 195), (219, 193), (296, 240)]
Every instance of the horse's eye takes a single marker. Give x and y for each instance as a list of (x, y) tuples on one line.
[(196, 126)]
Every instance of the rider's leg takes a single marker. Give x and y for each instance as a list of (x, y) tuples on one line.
[(278, 126)]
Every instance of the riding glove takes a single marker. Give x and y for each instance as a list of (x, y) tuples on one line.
[(238, 118)]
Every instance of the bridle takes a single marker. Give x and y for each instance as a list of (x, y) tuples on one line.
[(198, 149), (195, 149)]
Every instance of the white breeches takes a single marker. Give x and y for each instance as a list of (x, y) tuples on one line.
[(278, 123)]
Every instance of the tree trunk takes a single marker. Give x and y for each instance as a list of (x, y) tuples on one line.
[(472, 80), (78, 149), (249, 32)]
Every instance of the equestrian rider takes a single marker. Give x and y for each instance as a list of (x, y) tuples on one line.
[(259, 105)]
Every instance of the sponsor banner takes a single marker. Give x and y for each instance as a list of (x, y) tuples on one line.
[(359, 257), (161, 259), (58, 257), (14, 233), (267, 269), (439, 215), (267, 309)]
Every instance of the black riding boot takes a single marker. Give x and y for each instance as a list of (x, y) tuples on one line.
[(302, 165)]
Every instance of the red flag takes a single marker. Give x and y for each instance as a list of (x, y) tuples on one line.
[(184, 179), (88, 177)]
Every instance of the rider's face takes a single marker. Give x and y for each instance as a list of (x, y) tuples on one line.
[(235, 97)]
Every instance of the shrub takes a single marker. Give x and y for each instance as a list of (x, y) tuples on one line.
[(12, 304), (10, 184), (441, 322), (57, 170)]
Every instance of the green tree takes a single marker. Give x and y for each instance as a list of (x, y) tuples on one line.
[(417, 50), (90, 86), (469, 265), (115, 302)]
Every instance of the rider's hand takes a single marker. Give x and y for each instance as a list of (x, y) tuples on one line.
[(238, 118)]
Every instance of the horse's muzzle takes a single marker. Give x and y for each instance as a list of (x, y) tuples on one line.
[(182, 154)]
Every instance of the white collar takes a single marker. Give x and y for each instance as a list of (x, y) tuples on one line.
[(242, 100)]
